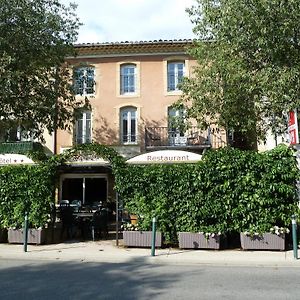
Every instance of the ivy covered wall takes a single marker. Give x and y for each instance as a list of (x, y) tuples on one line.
[(26, 188), (229, 190)]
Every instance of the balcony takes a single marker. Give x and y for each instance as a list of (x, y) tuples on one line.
[(157, 138), (19, 147)]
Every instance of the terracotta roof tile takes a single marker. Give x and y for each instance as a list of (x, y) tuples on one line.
[(138, 47)]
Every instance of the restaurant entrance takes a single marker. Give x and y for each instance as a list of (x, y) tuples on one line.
[(87, 188)]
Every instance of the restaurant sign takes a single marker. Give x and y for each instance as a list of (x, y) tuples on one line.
[(165, 157), (14, 159)]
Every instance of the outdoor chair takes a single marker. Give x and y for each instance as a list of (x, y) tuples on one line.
[(64, 203), (76, 205), (68, 221), (100, 223)]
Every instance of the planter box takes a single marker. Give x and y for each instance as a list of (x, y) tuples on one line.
[(268, 241), (35, 236), (190, 240), (3, 235), (53, 235), (141, 238)]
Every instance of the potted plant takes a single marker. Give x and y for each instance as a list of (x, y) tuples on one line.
[(39, 226), (27, 189), (134, 236), (199, 240), (255, 239), (208, 237)]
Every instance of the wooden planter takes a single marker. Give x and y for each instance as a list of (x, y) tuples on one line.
[(35, 236), (190, 240), (141, 238), (3, 235), (268, 241)]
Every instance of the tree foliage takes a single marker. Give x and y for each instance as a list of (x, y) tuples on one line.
[(35, 38), (249, 72), (228, 191)]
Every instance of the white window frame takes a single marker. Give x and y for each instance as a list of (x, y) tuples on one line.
[(176, 136), (85, 137), (177, 78), (84, 80), (127, 138), (125, 78)]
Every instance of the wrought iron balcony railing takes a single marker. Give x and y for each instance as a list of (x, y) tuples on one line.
[(162, 137)]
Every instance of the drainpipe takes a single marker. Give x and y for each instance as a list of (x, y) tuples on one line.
[(55, 141)]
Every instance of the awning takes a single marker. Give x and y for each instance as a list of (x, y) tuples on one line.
[(165, 157)]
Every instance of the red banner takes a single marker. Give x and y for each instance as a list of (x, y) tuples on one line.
[(293, 128)]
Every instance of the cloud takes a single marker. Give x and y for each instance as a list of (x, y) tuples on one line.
[(133, 20)]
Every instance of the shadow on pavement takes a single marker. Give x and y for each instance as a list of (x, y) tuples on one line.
[(82, 280)]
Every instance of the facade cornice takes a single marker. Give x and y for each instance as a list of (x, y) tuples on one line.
[(118, 49)]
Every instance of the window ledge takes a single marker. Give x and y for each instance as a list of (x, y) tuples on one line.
[(174, 93), (129, 95)]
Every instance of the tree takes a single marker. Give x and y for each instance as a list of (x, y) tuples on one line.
[(248, 73), (35, 88)]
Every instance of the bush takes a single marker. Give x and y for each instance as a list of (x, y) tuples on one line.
[(26, 189), (229, 190)]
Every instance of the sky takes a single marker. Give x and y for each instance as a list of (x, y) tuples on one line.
[(133, 20)]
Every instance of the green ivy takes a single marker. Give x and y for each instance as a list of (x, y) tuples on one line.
[(31, 188), (229, 190), (26, 188)]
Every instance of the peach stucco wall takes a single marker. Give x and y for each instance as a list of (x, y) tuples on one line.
[(152, 100)]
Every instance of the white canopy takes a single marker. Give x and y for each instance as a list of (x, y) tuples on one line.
[(14, 159), (165, 157)]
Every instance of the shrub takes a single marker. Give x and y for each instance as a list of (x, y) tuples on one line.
[(229, 190)]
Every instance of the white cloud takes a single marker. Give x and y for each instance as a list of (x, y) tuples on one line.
[(133, 20)]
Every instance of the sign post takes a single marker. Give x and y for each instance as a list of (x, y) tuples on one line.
[(25, 231), (153, 236), (294, 234)]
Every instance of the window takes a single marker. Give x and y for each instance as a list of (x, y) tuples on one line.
[(83, 128), (127, 79), (176, 72), (16, 134), (129, 125), (84, 81), (176, 127)]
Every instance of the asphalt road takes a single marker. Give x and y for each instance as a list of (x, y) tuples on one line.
[(85, 280)]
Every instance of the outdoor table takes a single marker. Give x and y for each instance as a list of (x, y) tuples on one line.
[(84, 221), (83, 214)]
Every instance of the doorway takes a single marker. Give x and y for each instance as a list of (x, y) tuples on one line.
[(88, 189)]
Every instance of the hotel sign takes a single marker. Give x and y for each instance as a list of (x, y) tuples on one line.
[(165, 157), (84, 159), (14, 159)]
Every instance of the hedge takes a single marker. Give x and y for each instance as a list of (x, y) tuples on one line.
[(26, 188), (229, 190)]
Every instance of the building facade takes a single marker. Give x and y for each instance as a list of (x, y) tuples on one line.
[(131, 87)]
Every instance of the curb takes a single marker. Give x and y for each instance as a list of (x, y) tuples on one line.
[(106, 252)]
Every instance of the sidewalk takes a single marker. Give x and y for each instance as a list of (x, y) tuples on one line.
[(108, 252)]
